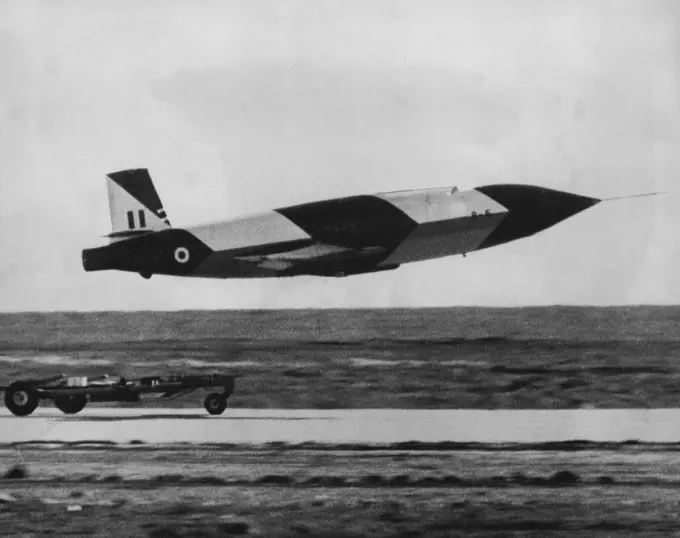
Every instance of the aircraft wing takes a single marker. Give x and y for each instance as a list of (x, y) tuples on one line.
[(322, 259)]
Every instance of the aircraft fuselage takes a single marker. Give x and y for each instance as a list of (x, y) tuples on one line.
[(338, 237)]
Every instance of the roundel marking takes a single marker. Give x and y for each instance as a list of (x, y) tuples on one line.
[(182, 255)]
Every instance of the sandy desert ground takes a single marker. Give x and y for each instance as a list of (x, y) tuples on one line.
[(430, 359), (272, 491), (473, 358)]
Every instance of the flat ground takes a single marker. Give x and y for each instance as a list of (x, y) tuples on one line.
[(556, 357), (277, 492)]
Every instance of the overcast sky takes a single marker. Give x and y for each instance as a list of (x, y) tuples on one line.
[(238, 107)]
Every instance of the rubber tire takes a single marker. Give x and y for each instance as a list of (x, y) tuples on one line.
[(29, 397), (215, 403), (71, 405)]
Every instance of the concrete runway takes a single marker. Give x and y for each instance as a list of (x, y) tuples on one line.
[(334, 426)]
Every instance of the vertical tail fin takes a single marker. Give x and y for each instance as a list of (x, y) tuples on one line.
[(134, 204)]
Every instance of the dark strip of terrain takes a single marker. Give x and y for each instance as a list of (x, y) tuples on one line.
[(411, 446)]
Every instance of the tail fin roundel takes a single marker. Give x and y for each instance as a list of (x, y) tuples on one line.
[(134, 204)]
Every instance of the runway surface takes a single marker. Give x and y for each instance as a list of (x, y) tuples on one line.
[(255, 426)]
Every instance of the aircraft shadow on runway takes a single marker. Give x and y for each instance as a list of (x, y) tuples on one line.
[(122, 418)]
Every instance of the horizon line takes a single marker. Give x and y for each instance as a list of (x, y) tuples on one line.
[(362, 308)]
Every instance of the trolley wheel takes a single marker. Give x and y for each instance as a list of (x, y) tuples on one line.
[(21, 398), (71, 404), (215, 403)]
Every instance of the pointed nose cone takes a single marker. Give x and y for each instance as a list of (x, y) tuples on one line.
[(531, 210)]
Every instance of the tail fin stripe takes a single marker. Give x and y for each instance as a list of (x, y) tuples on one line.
[(138, 184), (134, 204)]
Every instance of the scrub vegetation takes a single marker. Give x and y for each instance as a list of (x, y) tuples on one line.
[(488, 358), (209, 492)]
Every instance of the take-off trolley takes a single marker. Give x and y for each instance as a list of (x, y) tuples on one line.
[(72, 394)]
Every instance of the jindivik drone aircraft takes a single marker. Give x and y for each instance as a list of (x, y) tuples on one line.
[(330, 238)]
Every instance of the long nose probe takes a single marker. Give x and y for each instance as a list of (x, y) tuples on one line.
[(643, 195)]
